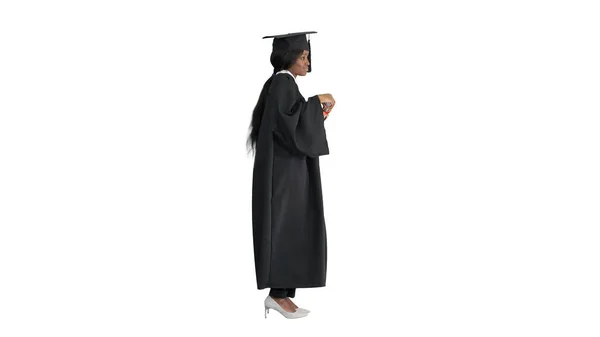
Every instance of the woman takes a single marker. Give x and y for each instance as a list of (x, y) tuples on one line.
[(288, 136)]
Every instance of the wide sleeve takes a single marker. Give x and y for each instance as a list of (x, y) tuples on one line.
[(299, 123)]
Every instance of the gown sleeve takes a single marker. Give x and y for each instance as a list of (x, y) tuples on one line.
[(299, 123)]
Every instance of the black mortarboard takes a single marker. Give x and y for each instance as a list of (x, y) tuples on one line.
[(291, 41)]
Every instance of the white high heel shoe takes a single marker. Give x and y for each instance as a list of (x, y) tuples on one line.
[(303, 310), (271, 304)]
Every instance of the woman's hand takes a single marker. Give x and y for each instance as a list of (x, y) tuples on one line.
[(328, 102), (327, 98)]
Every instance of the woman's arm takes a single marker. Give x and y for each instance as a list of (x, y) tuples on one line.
[(299, 123)]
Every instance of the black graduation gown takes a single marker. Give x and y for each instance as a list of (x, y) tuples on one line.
[(290, 243)]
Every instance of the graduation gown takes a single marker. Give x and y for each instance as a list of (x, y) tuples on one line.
[(290, 243)]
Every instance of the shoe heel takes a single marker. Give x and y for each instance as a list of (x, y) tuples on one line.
[(266, 311)]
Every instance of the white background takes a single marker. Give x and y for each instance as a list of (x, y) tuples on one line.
[(462, 191)]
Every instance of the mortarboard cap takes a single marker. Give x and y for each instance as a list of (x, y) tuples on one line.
[(291, 41)]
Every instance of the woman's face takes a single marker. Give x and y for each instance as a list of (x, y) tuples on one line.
[(301, 65)]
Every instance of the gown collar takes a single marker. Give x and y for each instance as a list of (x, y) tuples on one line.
[(286, 71)]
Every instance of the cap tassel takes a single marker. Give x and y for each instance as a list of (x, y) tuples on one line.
[(309, 56)]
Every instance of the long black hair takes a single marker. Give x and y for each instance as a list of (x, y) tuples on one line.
[(280, 61)]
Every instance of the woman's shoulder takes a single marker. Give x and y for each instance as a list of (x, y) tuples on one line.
[(282, 81)]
